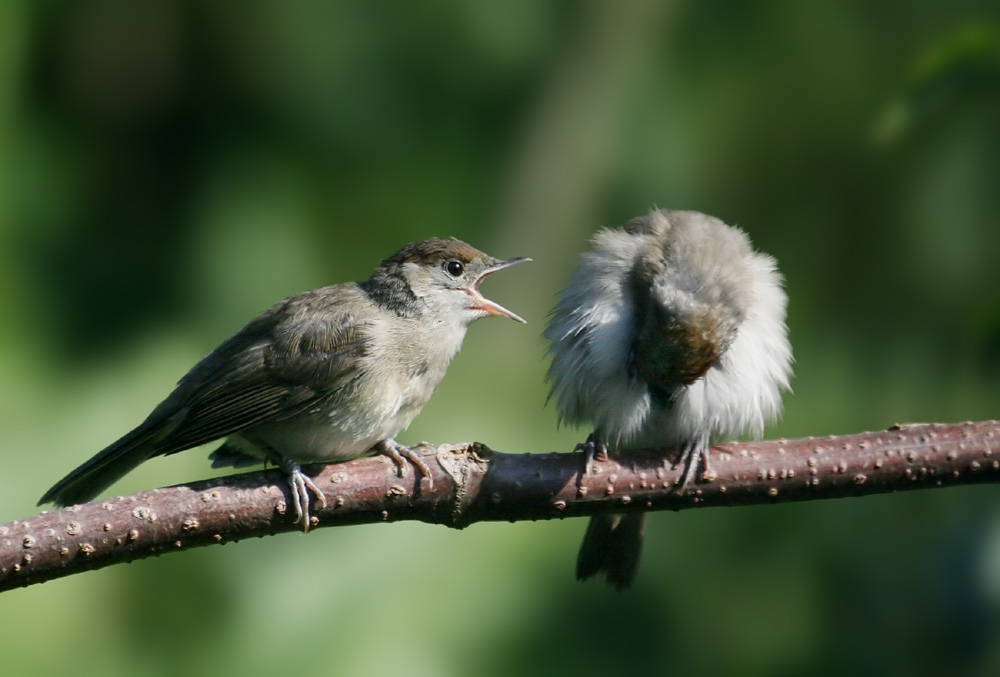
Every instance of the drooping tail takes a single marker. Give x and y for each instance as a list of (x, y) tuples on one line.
[(612, 546), (103, 470)]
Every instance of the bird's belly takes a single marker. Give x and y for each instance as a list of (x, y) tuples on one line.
[(331, 434), (316, 440), (317, 437)]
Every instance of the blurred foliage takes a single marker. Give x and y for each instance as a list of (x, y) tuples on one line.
[(171, 167), (961, 65)]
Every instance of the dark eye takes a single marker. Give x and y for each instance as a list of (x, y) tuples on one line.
[(454, 268)]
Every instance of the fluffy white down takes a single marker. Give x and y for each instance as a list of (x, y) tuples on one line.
[(593, 328)]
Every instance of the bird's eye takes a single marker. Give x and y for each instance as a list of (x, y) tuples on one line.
[(454, 268)]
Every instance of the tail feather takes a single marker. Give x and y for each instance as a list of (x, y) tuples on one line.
[(104, 469), (612, 546)]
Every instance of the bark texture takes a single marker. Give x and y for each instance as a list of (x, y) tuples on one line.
[(472, 483)]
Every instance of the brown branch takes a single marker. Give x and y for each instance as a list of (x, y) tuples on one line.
[(475, 484)]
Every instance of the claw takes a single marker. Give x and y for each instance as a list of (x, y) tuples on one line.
[(694, 455), (592, 449), (400, 453), (300, 485)]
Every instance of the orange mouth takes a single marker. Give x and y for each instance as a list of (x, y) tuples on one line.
[(484, 304)]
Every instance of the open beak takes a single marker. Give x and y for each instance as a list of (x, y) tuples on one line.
[(483, 303)]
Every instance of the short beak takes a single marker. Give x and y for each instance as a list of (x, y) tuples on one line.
[(485, 304)]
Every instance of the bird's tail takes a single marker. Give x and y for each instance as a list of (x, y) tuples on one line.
[(103, 470), (612, 546)]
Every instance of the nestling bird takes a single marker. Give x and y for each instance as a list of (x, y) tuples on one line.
[(671, 333), (323, 376)]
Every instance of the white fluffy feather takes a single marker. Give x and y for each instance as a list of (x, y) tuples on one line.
[(593, 331)]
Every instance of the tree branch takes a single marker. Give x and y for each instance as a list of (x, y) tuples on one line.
[(471, 484)]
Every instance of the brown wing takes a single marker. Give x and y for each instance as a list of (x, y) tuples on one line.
[(270, 371), (676, 343), (303, 351)]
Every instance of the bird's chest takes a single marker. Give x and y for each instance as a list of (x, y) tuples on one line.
[(402, 378), (399, 375), (411, 387), (414, 368)]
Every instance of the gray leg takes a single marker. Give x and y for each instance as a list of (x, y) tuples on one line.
[(300, 485), (400, 453), (694, 455), (592, 448)]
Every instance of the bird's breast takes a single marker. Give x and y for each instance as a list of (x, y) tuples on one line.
[(393, 385)]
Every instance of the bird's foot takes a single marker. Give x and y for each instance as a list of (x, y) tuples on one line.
[(592, 448), (400, 453), (695, 454), (300, 485)]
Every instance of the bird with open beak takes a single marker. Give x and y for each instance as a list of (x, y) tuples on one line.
[(326, 375)]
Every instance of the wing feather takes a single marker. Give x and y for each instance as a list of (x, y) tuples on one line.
[(297, 368), (302, 352)]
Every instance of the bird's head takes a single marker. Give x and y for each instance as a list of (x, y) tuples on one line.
[(444, 277)]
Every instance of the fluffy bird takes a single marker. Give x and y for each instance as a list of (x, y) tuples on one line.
[(326, 375), (671, 333)]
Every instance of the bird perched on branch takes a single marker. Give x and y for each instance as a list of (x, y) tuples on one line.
[(323, 376), (671, 333)]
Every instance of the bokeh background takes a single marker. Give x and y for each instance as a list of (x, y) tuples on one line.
[(168, 168)]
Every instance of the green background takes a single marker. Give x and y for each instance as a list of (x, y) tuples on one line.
[(169, 168)]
